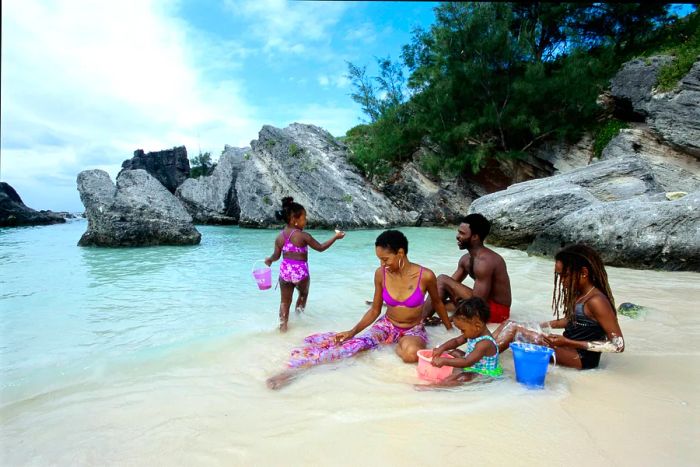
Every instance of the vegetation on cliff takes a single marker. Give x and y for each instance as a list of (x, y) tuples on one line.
[(493, 79)]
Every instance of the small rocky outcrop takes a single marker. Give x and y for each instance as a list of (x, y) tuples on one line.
[(138, 211), (14, 213), (212, 199), (566, 156), (633, 233), (674, 170), (170, 167), (632, 86), (433, 202), (525, 210), (307, 163), (676, 115)]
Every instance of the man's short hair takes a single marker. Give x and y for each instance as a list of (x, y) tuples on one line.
[(478, 224)]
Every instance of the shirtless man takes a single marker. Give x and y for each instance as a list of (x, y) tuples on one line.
[(485, 266)]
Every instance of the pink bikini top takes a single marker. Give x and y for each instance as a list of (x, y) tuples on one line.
[(416, 299), (289, 247)]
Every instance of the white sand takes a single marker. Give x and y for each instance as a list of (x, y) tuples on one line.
[(208, 405)]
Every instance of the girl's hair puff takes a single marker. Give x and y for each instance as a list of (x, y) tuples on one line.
[(473, 307), (289, 210)]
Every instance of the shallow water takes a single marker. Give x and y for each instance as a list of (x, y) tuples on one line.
[(159, 356)]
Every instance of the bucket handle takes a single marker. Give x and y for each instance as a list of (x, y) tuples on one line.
[(256, 262)]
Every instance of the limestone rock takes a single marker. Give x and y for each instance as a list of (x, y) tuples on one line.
[(138, 211), (674, 170), (170, 166), (633, 233), (14, 213), (676, 115), (307, 163), (525, 210), (632, 86), (212, 199)]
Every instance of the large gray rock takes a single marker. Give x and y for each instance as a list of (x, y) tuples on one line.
[(212, 199), (14, 213), (525, 210), (138, 211), (307, 163), (633, 233), (632, 86), (676, 115), (433, 202), (170, 166), (674, 170), (567, 156)]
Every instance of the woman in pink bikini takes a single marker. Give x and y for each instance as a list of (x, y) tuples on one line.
[(402, 286), (293, 243)]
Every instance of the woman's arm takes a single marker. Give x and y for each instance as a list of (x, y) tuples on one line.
[(370, 315), (275, 254), (555, 323), (602, 312), (313, 243), (431, 285), (477, 354)]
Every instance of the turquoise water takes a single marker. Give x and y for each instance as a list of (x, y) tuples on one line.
[(159, 356)]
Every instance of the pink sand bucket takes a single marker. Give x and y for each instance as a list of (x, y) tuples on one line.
[(427, 371), (262, 275)]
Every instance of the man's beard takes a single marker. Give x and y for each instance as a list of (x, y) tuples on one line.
[(463, 245)]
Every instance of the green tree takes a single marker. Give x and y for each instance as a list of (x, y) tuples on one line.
[(201, 165)]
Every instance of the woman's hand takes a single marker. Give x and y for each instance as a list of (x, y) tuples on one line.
[(343, 336), (555, 340)]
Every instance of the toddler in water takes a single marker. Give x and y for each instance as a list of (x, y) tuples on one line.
[(293, 242), (481, 356)]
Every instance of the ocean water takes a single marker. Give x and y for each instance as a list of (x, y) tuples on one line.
[(143, 356)]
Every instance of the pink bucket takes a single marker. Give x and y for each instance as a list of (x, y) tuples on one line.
[(427, 371), (263, 277)]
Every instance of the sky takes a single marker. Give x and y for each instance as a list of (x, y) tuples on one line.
[(85, 83)]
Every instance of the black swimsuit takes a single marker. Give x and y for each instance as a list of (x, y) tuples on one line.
[(583, 328)]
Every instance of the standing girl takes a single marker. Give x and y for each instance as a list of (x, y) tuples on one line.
[(293, 243)]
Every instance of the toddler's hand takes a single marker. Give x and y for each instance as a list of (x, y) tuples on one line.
[(438, 361)]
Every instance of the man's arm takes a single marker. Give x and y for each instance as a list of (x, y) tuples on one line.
[(462, 268), (483, 278)]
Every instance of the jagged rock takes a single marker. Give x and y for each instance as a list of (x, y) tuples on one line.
[(632, 86), (170, 166), (633, 233), (14, 213), (212, 199), (674, 170), (565, 156), (433, 202), (676, 115), (307, 163), (138, 211), (525, 210)]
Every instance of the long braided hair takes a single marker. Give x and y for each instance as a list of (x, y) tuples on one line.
[(574, 258)]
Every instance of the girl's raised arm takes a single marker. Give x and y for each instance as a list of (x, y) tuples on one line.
[(313, 243)]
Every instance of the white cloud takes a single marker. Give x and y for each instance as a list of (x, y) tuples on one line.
[(290, 27), (85, 83), (364, 32), (323, 80)]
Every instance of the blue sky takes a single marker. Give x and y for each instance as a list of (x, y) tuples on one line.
[(85, 83)]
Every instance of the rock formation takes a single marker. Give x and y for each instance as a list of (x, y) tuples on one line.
[(307, 163), (14, 213), (170, 167), (138, 211), (212, 199)]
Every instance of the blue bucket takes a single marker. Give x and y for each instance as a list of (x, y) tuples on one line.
[(531, 363)]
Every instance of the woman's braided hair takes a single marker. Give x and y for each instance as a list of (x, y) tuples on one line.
[(574, 258)]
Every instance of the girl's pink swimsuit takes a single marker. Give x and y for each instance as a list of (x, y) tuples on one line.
[(321, 348), (293, 270)]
